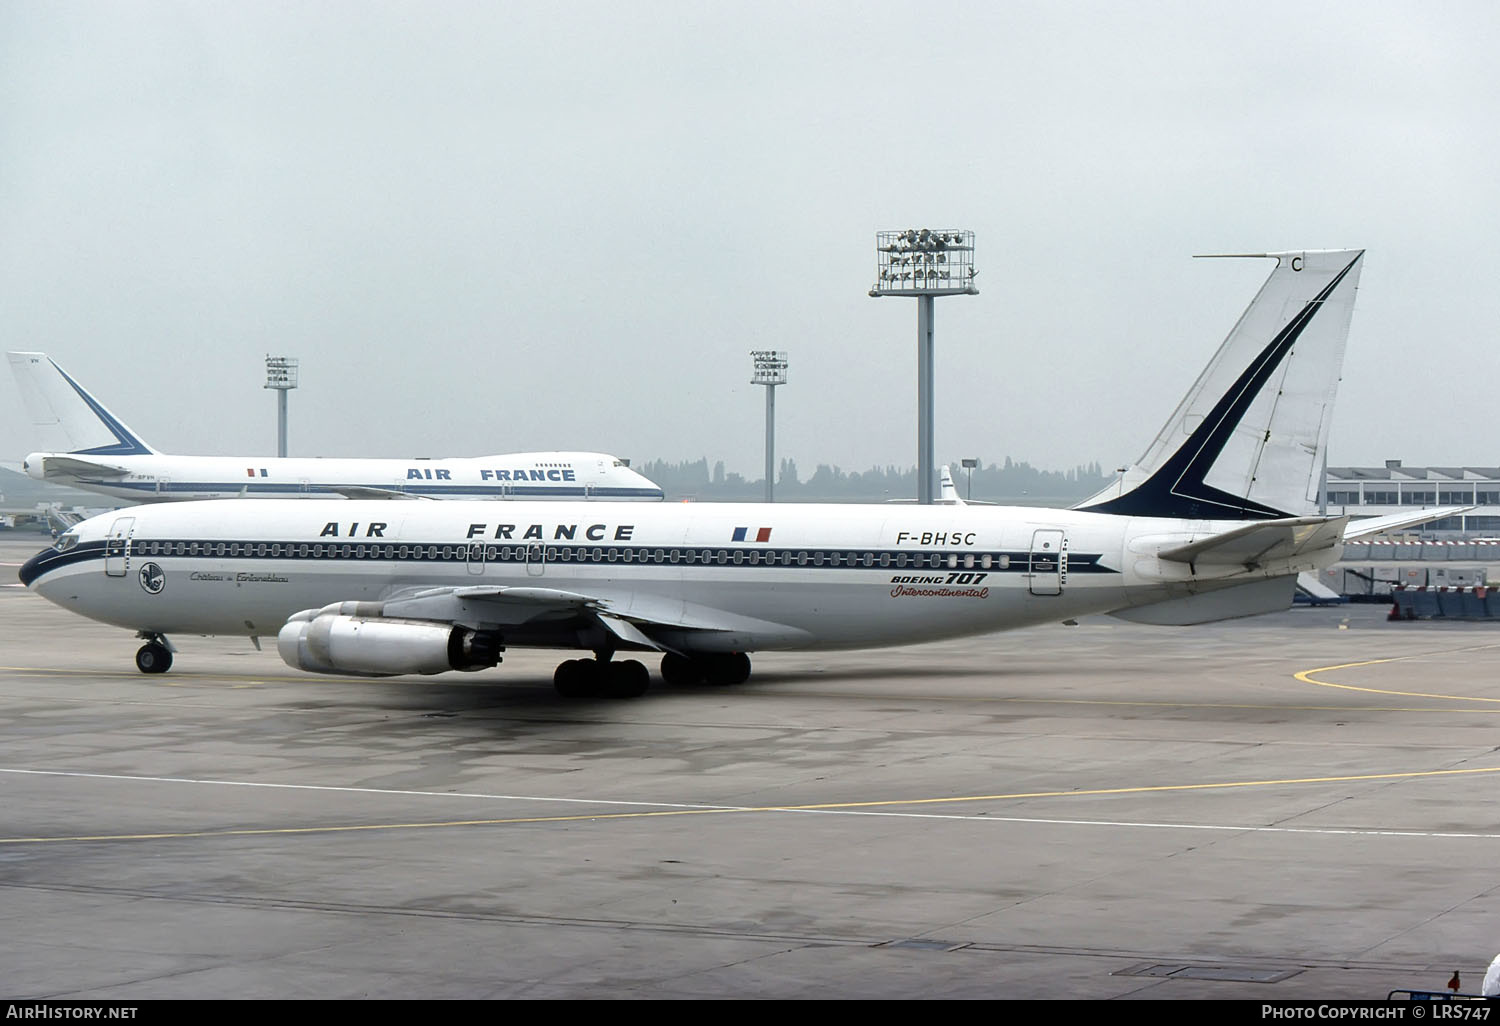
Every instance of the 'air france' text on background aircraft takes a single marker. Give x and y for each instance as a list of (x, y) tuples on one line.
[(1215, 521), (99, 453)]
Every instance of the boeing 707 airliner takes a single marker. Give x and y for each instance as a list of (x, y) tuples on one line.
[(1214, 521)]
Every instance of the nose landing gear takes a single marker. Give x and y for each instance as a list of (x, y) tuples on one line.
[(155, 656)]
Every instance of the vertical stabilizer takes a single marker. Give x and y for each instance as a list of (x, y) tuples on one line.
[(947, 492), (66, 418), (1249, 441)]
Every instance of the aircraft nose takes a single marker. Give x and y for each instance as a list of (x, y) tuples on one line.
[(644, 482), (32, 465), (35, 566)]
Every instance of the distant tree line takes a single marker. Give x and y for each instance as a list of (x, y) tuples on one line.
[(1010, 482)]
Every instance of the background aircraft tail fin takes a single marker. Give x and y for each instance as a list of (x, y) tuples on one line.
[(1250, 439), (66, 418)]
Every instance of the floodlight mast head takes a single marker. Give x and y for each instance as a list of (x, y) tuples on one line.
[(770, 366), (281, 372), (924, 262)]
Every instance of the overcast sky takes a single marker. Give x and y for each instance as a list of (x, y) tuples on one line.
[(502, 226)]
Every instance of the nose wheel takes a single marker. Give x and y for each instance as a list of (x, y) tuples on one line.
[(155, 656)]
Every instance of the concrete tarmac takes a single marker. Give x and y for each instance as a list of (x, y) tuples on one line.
[(1292, 807)]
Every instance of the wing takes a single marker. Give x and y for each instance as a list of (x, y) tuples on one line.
[(641, 619), (1396, 521), (72, 466), (1257, 545), (369, 492), (416, 627)]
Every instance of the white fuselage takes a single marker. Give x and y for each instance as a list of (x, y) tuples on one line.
[(160, 477), (755, 576)]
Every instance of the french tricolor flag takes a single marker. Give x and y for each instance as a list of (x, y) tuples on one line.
[(762, 534)]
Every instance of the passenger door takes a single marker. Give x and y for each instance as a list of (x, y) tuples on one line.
[(117, 547), (1049, 561)]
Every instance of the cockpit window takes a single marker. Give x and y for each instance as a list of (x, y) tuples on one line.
[(67, 541)]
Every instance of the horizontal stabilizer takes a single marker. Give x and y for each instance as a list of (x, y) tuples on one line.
[(1309, 585), (1255, 545), (1396, 521), (71, 466)]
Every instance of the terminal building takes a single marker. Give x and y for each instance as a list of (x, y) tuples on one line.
[(1394, 488), (1459, 552)]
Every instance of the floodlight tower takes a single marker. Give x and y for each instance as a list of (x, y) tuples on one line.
[(969, 465), (770, 370), (281, 374), (925, 264)]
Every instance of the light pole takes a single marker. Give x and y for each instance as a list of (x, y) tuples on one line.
[(969, 465), (925, 264), (281, 374), (770, 370)]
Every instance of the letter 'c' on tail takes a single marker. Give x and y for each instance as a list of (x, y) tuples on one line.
[(1249, 441)]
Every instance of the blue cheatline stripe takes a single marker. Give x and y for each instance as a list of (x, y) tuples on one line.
[(428, 553), (323, 489)]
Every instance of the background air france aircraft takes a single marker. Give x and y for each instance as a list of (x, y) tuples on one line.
[(1215, 521), (99, 453)]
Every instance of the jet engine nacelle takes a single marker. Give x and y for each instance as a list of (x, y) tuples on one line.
[(337, 639)]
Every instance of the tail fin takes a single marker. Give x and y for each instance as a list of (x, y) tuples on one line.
[(947, 493), (1250, 439), (67, 418)]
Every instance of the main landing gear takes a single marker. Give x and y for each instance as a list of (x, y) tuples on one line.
[(714, 668), (155, 656), (598, 677)]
